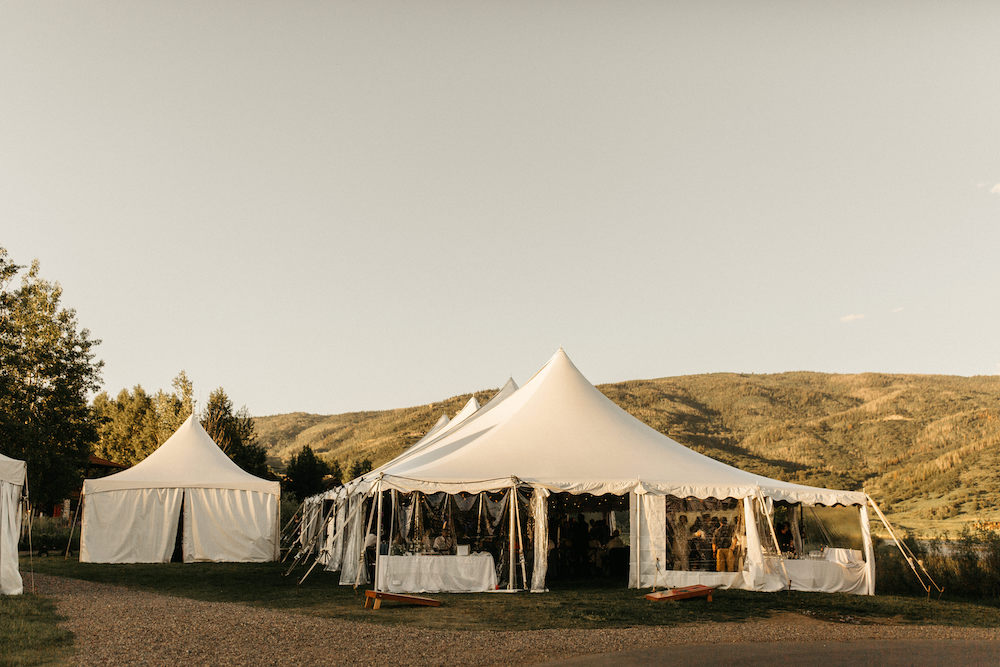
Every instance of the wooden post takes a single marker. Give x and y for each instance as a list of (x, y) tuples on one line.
[(72, 527)]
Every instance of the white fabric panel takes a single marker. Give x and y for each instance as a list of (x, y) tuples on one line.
[(329, 532), (651, 539), (437, 574), (337, 545), (350, 567), (539, 510), (828, 576), (675, 578), (755, 555), (866, 539), (13, 471), (131, 526), (229, 525), (188, 459), (10, 527)]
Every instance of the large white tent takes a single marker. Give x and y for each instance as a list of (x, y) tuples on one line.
[(559, 434), (12, 479), (228, 514)]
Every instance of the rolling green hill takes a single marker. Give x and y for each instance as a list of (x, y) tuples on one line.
[(927, 447)]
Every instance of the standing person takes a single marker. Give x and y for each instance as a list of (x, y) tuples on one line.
[(786, 542), (722, 542)]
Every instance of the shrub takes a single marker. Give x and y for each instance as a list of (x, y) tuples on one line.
[(967, 567), (49, 536)]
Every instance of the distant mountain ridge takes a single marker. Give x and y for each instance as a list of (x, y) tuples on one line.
[(927, 447)]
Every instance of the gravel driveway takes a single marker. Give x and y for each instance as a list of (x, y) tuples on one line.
[(115, 625)]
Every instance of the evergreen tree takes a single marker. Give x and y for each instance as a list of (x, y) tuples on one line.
[(47, 369), (358, 468), (234, 432), (336, 473), (305, 473)]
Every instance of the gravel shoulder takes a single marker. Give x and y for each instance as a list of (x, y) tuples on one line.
[(116, 625)]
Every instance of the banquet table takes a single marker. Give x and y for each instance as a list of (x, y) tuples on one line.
[(431, 573), (841, 570)]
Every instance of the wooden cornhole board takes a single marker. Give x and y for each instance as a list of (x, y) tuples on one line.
[(378, 596), (682, 593)]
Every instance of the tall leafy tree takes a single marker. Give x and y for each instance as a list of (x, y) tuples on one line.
[(128, 429), (305, 473), (133, 424), (234, 432), (47, 369)]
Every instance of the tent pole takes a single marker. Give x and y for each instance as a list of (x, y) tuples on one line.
[(337, 531), (378, 536), (905, 550), (392, 520), (306, 549), (285, 533), (510, 538), (520, 542), (774, 536), (479, 521), (361, 556), (72, 527), (638, 540)]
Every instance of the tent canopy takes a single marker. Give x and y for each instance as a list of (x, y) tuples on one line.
[(561, 433), (189, 459), (471, 411), (12, 471)]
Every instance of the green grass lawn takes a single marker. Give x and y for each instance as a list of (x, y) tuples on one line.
[(29, 634), (570, 606)]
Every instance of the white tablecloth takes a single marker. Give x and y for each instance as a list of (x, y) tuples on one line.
[(437, 574), (829, 576)]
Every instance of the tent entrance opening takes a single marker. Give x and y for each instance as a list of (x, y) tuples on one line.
[(589, 538)]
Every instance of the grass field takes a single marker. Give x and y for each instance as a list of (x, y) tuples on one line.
[(29, 634), (573, 606)]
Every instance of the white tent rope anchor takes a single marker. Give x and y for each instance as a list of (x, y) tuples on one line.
[(908, 555)]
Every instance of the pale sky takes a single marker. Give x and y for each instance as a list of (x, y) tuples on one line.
[(331, 206)]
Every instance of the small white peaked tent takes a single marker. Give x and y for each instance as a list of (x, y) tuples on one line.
[(12, 478), (228, 514), (558, 434)]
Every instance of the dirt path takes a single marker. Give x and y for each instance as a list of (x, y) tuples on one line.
[(115, 625)]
